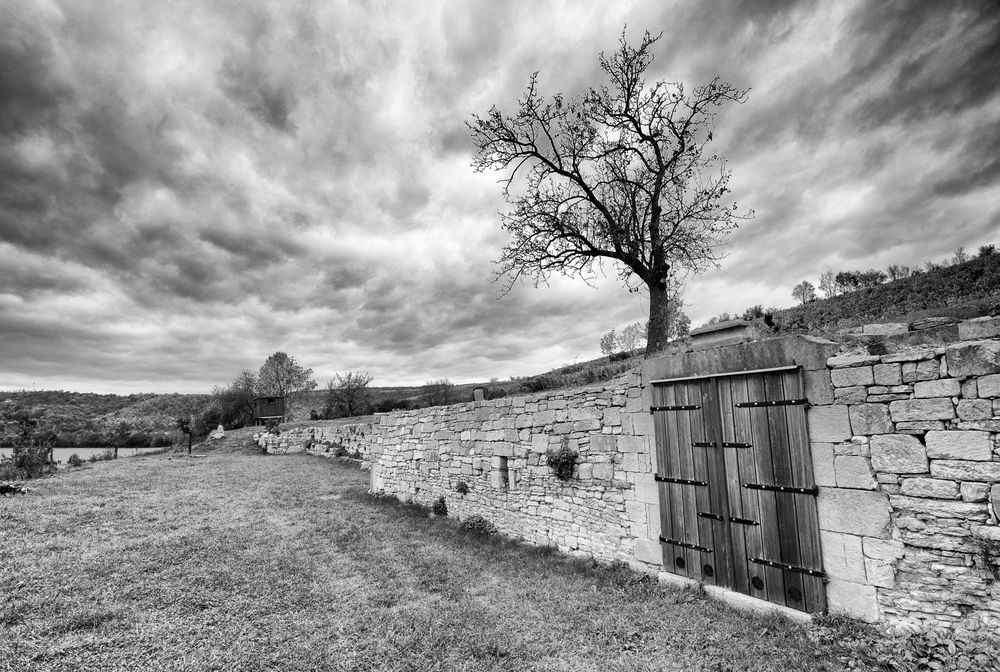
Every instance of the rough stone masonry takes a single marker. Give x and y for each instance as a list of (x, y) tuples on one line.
[(904, 446)]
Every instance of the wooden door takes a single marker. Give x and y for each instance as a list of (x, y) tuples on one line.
[(737, 496)]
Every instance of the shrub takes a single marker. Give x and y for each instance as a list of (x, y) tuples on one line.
[(561, 460), (462, 488), (478, 525), (440, 507), (74, 460)]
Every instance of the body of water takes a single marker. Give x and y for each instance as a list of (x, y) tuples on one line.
[(62, 454)]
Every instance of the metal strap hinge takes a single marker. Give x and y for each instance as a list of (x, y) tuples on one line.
[(684, 544), (653, 409), (704, 444), (782, 488), (681, 481), (790, 568), (768, 404)]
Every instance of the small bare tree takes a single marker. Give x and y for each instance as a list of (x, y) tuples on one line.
[(898, 272), (348, 394), (609, 343), (621, 174), (804, 291), (630, 337), (960, 256), (828, 284)]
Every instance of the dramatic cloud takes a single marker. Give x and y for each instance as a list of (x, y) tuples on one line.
[(188, 187)]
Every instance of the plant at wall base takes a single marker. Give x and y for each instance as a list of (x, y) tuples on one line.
[(74, 460), (440, 507), (478, 525), (561, 460), (462, 488)]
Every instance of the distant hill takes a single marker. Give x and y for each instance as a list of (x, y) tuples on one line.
[(962, 290)]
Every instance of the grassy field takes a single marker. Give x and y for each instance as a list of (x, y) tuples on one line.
[(240, 561)]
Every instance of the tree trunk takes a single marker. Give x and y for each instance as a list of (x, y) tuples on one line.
[(189, 442), (659, 321), (116, 451)]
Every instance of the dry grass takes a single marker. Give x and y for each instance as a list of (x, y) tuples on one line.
[(242, 561)]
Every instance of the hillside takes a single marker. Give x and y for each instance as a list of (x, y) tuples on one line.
[(961, 290)]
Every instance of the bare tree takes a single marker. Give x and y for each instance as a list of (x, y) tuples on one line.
[(439, 392), (828, 284), (804, 291), (620, 174), (348, 395), (609, 343), (630, 337), (898, 272), (960, 257)]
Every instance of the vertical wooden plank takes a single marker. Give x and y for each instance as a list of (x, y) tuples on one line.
[(769, 526), (788, 536), (807, 522), (662, 465), (733, 490), (675, 494), (717, 495), (750, 499), (702, 497), (692, 558)]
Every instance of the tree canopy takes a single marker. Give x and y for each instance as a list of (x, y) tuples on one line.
[(621, 173)]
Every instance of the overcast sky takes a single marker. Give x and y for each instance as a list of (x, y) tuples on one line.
[(189, 186)]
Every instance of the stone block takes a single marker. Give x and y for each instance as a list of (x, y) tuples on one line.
[(886, 550), (852, 376), (862, 512), (975, 492), (649, 551), (937, 508), (975, 409), (908, 356), (988, 387), (973, 358), (603, 443), (604, 470), (849, 361), (819, 388), (539, 443), (887, 374), (969, 388), (995, 500), (927, 370), (843, 557), (849, 598), (958, 445), (867, 419), (881, 398), (921, 409), (631, 444), (964, 470), (647, 490), (898, 454), (886, 329), (853, 471), (824, 473), (850, 395), (978, 328), (829, 424), (930, 487), (947, 387), (919, 426), (880, 574)]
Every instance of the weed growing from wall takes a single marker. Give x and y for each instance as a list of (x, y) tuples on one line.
[(561, 460), (440, 507)]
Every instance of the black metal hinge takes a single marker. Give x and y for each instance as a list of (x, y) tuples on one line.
[(782, 488), (733, 444), (717, 516), (684, 544), (790, 568), (744, 521), (768, 404), (703, 444), (681, 481), (653, 409)]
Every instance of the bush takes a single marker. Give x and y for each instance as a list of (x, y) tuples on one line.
[(478, 525), (31, 461), (462, 488), (440, 507), (562, 461), (74, 460)]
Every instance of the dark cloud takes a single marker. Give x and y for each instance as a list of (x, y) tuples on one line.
[(188, 187)]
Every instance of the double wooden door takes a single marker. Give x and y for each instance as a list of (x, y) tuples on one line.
[(737, 495)]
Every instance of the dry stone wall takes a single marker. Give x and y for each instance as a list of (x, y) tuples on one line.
[(905, 447)]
